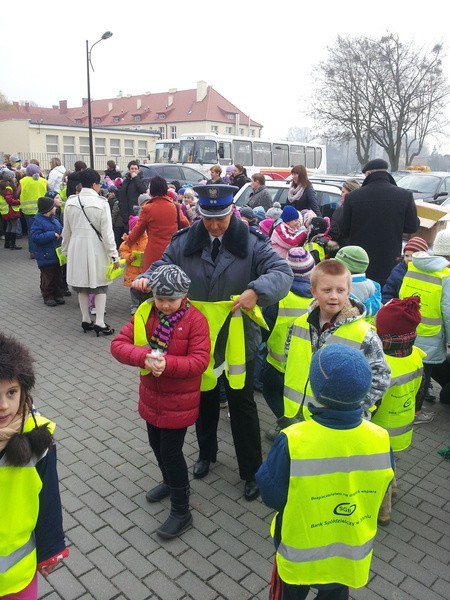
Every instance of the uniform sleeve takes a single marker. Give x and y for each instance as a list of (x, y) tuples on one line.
[(274, 274), (273, 475), (49, 528), (372, 349)]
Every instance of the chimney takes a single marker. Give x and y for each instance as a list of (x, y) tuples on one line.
[(170, 100), (109, 106), (202, 89), (84, 101), (138, 103), (63, 107), (120, 94)]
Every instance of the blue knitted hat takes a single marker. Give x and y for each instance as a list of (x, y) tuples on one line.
[(340, 377), (289, 213)]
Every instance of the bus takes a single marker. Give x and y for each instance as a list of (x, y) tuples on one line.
[(271, 157), (166, 151)]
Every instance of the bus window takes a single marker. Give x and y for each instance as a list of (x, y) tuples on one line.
[(310, 157), (225, 153), (186, 151), (280, 155), (318, 157), (205, 151), (262, 153), (298, 155), (166, 152), (242, 152)]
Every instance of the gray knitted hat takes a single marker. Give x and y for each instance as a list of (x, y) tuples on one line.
[(169, 281)]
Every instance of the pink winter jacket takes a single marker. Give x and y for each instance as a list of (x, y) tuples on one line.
[(284, 238)]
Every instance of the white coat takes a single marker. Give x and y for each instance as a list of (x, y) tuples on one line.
[(55, 178), (88, 258)]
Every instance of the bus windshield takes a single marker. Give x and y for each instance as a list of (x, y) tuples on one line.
[(198, 151), (167, 151)]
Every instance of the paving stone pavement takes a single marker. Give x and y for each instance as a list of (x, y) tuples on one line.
[(105, 468)]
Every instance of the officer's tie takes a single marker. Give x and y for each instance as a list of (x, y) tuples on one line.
[(215, 249)]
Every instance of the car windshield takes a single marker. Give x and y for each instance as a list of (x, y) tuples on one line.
[(424, 184)]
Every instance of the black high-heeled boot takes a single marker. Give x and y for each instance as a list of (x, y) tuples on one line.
[(87, 326), (106, 330)]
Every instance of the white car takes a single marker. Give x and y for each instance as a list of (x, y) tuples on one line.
[(328, 196)]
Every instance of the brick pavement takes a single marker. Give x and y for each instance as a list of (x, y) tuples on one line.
[(105, 467)]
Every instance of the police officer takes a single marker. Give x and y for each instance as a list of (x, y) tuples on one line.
[(223, 257)]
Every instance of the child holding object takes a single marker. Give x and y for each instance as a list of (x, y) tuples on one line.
[(169, 340), (31, 531)]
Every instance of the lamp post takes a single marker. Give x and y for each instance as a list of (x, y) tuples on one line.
[(89, 66)]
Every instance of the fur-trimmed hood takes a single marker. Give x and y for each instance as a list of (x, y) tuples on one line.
[(235, 239)]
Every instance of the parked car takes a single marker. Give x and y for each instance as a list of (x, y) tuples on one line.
[(171, 172), (335, 179), (329, 196), (433, 186)]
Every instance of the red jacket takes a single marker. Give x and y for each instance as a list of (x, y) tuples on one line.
[(158, 218), (170, 401)]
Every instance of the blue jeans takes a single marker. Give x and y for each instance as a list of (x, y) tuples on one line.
[(29, 219)]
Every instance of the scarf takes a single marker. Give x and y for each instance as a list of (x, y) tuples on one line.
[(399, 345), (295, 193), (15, 427), (161, 336)]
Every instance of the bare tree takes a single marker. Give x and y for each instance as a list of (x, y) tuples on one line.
[(381, 91), (5, 104)]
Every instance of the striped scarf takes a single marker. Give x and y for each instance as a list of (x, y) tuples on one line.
[(161, 336)]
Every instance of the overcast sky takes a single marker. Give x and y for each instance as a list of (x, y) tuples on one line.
[(259, 55)]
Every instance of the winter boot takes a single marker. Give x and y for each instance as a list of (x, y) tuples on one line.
[(7, 239), (180, 517), (12, 242), (158, 493)]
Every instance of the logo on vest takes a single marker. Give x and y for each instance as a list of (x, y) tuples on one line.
[(407, 403), (345, 508)]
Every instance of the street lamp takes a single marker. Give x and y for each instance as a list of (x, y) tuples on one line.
[(89, 66)]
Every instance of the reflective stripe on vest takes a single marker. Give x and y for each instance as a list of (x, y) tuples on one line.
[(310, 246), (428, 286), (289, 308), (337, 482), (20, 487), (216, 313), (297, 390), (398, 405), (4, 206)]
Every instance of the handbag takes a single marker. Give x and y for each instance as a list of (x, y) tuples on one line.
[(93, 227)]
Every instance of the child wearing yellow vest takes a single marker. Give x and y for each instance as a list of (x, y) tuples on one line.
[(134, 256), (31, 531), (326, 478)]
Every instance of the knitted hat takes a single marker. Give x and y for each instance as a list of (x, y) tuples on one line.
[(51, 194), (398, 316), (416, 244), (259, 213), (340, 376), (118, 181), (32, 170), (132, 220), (143, 198), (45, 204), (307, 215), (247, 212), (14, 158), (265, 225), (169, 281), (375, 164), (354, 258), (181, 191), (172, 194), (7, 175), (274, 212), (230, 169), (300, 261), (289, 213), (319, 225), (441, 245)]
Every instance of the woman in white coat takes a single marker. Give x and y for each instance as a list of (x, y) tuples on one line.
[(56, 175), (88, 242)]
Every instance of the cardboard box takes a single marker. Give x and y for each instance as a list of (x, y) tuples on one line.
[(433, 218)]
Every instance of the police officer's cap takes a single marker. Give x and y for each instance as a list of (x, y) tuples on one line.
[(215, 200)]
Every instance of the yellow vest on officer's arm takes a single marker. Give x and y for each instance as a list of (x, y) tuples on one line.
[(337, 482), (297, 390), (216, 313), (20, 510), (289, 308), (398, 406), (428, 286)]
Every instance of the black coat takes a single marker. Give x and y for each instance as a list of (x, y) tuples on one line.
[(375, 217), (130, 191)]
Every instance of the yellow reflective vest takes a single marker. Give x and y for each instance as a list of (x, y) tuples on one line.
[(297, 390), (310, 246), (398, 405), (338, 478), (428, 286), (31, 191), (289, 308), (216, 313), (4, 206), (19, 494)]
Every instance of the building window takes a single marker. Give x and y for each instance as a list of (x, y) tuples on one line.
[(116, 119), (78, 121), (252, 133), (137, 117), (214, 128), (84, 145), (229, 130), (68, 144), (100, 145), (97, 120), (231, 116), (173, 132), (162, 131), (161, 116), (52, 143), (114, 146), (129, 147), (241, 131), (142, 148)]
